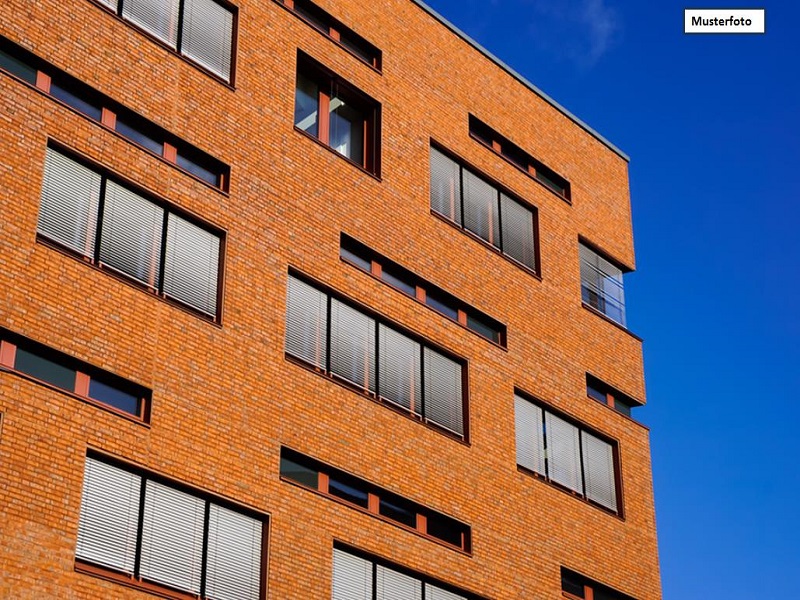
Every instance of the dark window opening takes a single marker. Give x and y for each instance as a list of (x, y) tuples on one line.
[(577, 586), (610, 396), (446, 529), (18, 66), (77, 97), (140, 132), (398, 509), (33, 363), (348, 490), (399, 281)]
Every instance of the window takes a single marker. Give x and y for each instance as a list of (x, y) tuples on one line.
[(336, 114), (577, 587), (361, 494), (102, 109), (480, 207), (201, 30), (138, 529), (519, 158), (351, 345), (601, 285), (89, 213), (334, 30), (357, 576), (58, 370), (566, 454), (602, 392), (369, 261)]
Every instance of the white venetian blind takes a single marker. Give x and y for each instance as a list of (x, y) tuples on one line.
[(518, 240), (191, 264), (598, 469), (306, 322), (443, 394), (445, 186), (131, 235), (172, 537), (480, 208), (207, 35), (158, 17), (352, 345), (563, 452), (436, 593), (68, 208), (233, 570), (530, 441), (109, 516), (399, 369), (352, 577), (391, 585)]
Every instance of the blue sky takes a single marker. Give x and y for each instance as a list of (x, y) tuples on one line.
[(712, 124)]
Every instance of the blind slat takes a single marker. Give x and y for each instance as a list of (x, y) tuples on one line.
[(352, 345), (399, 369), (391, 585), (158, 17), (352, 577), (598, 468), (443, 393), (191, 264), (234, 555), (436, 593), (530, 441), (480, 208), (518, 235), (306, 322), (563, 452), (207, 35), (70, 198)]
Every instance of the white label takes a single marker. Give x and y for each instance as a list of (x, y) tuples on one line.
[(724, 20)]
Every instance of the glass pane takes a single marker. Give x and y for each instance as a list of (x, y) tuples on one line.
[(306, 105), (445, 186), (114, 396), (360, 262), (140, 133), (398, 509), (400, 282), (159, 17), (199, 167), (480, 327), (572, 584), (446, 529), (76, 100), (622, 407), (16, 67), (480, 208), (207, 35), (299, 473), (593, 391), (442, 306), (352, 345), (36, 365), (347, 130), (313, 15), (349, 491)]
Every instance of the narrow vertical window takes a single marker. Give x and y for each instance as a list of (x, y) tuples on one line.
[(601, 285)]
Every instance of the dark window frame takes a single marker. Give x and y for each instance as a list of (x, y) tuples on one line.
[(519, 158), (85, 373), (582, 427), (422, 288), (112, 111), (380, 319), (336, 31), (169, 208), (159, 589), (329, 83), (226, 4), (601, 300), (375, 494), (464, 165), (613, 398), (589, 587)]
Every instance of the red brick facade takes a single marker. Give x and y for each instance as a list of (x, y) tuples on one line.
[(224, 397)]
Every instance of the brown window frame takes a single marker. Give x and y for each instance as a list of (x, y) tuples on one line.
[(329, 85), (589, 587), (336, 31), (519, 158), (379, 265), (84, 374), (374, 493), (613, 397), (111, 111)]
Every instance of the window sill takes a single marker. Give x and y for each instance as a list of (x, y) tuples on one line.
[(377, 516), (603, 316), (123, 278), (358, 166), (219, 79), (85, 399), (571, 493), (131, 582), (487, 245), (521, 170), (340, 381)]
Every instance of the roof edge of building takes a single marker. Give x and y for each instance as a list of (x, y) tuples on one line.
[(521, 79)]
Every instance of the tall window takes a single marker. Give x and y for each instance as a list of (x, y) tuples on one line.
[(483, 209), (360, 578), (566, 454), (348, 344), (117, 228), (337, 114), (139, 529), (601, 285), (201, 30)]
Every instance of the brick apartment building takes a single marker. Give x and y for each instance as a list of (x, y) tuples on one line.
[(308, 301)]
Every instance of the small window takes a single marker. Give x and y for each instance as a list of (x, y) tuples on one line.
[(54, 368), (349, 490), (299, 472), (601, 285), (446, 529), (398, 509), (400, 281), (140, 132), (441, 305), (578, 587), (17, 66), (337, 114), (77, 97), (610, 396)]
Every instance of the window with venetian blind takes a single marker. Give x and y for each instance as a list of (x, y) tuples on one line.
[(601, 284), (93, 215), (201, 30), (356, 577), (349, 344), (142, 530), (566, 454)]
